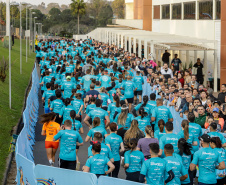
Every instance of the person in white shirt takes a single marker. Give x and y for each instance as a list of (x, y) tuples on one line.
[(166, 71)]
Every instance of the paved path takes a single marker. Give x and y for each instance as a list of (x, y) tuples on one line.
[(40, 152)]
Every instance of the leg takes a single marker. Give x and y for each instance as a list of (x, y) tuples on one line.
[(53, 154), (49, 152), (116, 170), (130, 107)]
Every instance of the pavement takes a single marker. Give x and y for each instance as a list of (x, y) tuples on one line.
[(40, 156)]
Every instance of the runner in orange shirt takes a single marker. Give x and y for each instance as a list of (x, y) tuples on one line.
[(50, 129)]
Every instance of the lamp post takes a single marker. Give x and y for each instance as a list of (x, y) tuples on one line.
[(8, 33), (34, 34)]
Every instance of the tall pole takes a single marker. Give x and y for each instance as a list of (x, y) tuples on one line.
[(20, 41), (8, 33), (34, 36), (26, 35), (30, 28)]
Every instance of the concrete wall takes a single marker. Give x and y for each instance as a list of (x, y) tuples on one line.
[(133, 23), (129, 11)]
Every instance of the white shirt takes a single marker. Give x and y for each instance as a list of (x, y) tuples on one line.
[(168, 72)]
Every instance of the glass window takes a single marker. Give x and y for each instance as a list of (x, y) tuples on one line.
[(176, 14), (166, 11), (206, 10), (189, 10), (218, 11)]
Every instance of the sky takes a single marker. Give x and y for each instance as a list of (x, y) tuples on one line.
[(36, 2)]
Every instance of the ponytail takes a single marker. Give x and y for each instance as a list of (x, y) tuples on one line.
[(161, 125), (185, 125), (116, 98), (149, 131), (96, 122), (142, 112), (217, 141), (132, 144), (73, 115), (145, 101), (184, 147)]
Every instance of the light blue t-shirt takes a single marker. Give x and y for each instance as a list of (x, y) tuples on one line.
[(98, 112), (143, 122), (177, 168), (129, 88), (151, 104), (86, 82), (114, 141), (191, 138), (196, 130), (139, 81), (170, 138), (129, 119), (207, 159), (75, 124), (158, 134), (97, 129), (105, 151), (67, 87), (112, 108), (65, 111), (217, 134), (97, 164), (68, 139), (155, 171), (146, 108), (186, 161), (161, 112), (56, 105), (135, 160), (105, 81), (47, 94), (77, 105), (105, 98), (90, 107)]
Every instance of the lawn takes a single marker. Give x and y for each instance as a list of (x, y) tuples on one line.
[(9, 117)]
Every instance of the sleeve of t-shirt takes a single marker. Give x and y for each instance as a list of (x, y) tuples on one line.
[(110, 153), (170, 115), (144, 169), (80, 125), (195, 158), (90, 151), (154, 113), (79, 139), (58, 127), (139, 144), (138, 107), (62, 87), (107, 141), (161, 144), (44, 127), (51, 105), (127, 158), (89, 114), (61, 111), (220, 158), (142, 158), (88, 163), (44, 95), (106, 114), (58, 135), (109, 107), (82, 81), (106, 160), (183, 170), (89, 133)]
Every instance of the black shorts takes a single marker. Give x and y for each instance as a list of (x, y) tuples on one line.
[(105, 108), (138, 93), (133, 176), (77, 147), (70, 165), (129, 100)]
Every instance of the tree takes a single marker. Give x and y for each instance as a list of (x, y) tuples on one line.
[(118, 7), (78, 7)]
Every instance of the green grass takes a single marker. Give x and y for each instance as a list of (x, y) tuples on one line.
[(9, 117)]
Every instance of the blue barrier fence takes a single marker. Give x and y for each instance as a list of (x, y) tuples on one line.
[(28, 173)]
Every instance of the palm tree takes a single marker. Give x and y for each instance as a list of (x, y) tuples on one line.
[(78, 7)]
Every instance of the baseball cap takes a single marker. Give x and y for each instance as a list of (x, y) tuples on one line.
[(217, 101), (205, 138), (68, 78), (216, 110)]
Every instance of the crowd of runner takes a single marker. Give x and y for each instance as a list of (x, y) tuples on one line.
[(91, 84)]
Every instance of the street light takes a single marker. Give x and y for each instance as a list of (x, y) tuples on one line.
[(31, 13), (34, 33)]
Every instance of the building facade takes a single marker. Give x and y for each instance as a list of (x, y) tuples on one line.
[(201, 19)]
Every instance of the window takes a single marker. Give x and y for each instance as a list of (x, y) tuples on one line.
[(157, 12), (165, 11), (218, 9), (176, 14), (189, 10), (206, 10)]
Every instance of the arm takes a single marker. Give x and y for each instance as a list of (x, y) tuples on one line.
[(195, 143), (43, 133), (81, 130), (170, 177), (182, 178), (111, 167), (109, 146), (80, 110), (221, 166), (122, 147), (126, 166), (107, 121), (86, 120), (152, 119), (79, 144), (171, 119), (192, 167), (134, 112), (85, 169)]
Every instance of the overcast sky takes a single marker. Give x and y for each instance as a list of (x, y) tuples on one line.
[(36, 2)]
